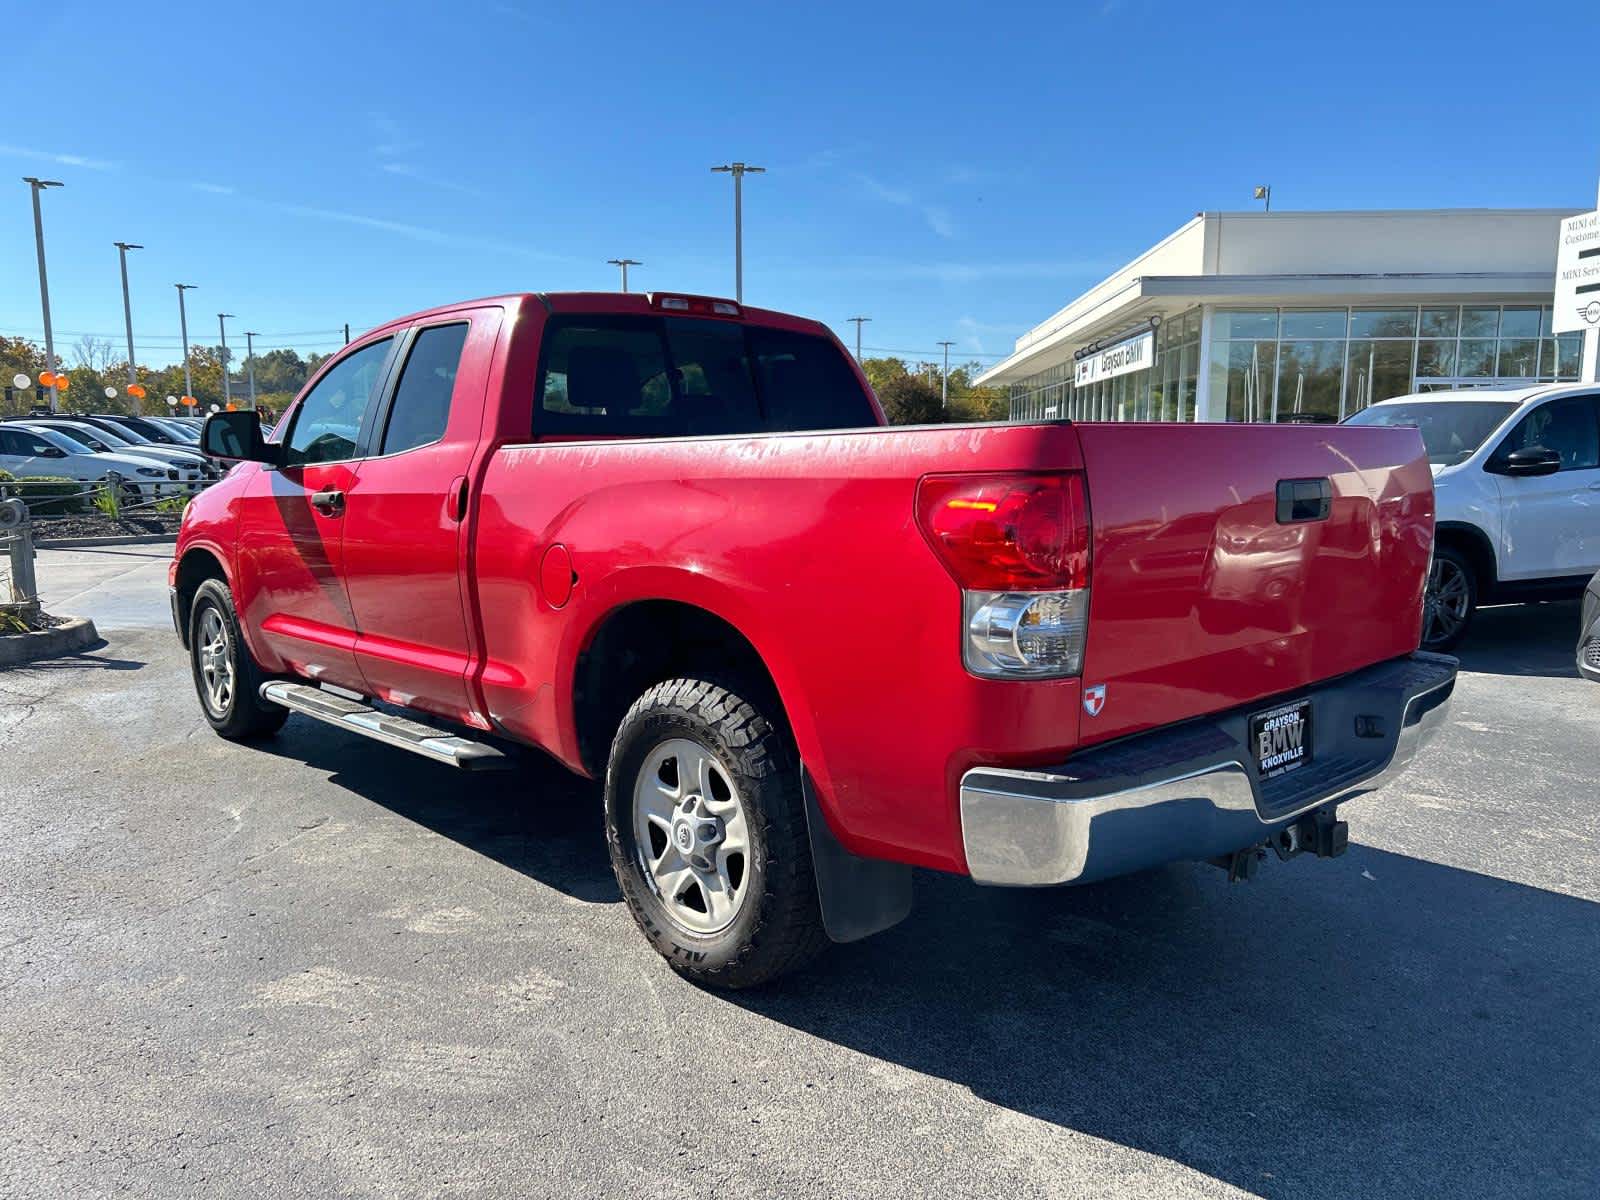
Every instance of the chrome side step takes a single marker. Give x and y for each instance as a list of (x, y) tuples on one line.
[(450, 749)]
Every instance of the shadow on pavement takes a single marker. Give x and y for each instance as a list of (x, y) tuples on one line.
[(1523, 639), (1378, 1025), (88, 657)]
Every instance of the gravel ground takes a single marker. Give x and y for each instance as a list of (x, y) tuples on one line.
[(320, 967)]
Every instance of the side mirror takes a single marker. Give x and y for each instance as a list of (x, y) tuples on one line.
[(1535, 460), (236, 436)]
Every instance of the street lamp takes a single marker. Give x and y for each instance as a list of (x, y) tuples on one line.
[(738, 170), (624, 263), (250, 363), (127, 310), (222, 327), (858, 322), (183, 327), (944, 382), (1263, 191), (38, 185)]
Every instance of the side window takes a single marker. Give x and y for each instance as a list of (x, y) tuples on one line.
[(806, 383), (421, 407), (7, 445), (327, 425), (600, 373), (1570, 427)]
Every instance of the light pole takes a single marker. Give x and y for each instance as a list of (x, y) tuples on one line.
[(38, 185), (624, 263), (858, 322), (1263, 192), (183, 328), (222, 328), (127, 311), (944, 380), (250, 364), (738, 170)]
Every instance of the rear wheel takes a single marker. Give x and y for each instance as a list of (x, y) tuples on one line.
[(226, 678), (706, 826), (1452, 599)]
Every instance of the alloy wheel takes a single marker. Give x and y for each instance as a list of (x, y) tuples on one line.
[(692, 835), (215, 653), (1447, 603)]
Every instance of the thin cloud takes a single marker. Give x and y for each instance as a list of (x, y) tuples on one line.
[(960, 272), (418, 233), (62, 160), (408, 171), (214, 189), (937, 217)]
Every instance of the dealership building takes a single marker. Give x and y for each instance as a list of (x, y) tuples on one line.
[(1263, 316)]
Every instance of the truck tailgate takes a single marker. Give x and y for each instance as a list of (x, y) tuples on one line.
[(1202, 599)]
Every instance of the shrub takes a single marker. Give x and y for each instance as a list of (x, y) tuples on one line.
[(49, 494)]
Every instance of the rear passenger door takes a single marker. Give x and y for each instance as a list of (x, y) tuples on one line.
[(404, 531)]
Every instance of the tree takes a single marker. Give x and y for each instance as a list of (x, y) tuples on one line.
[(911, 400), (881, 371), (93, 354)]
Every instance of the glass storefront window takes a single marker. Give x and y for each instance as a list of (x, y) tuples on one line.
[(1241, 379), (1476, 358), (1480, 322), (1305, 323), (1377, 370), (1519, 358), (1519, 323), (1383, 323), (1570, 350), (1436, 357), (1227, 324), (1441, 322), (1310, 378)]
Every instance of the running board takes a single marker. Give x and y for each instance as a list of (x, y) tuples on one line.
[(448, 748)]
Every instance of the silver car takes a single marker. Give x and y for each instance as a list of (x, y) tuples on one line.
[(1589, 632)]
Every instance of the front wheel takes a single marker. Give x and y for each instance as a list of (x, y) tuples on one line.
[(226, 678), (706, 825), (1451, 600)]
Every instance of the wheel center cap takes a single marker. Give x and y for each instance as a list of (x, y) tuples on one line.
[(683, 836)]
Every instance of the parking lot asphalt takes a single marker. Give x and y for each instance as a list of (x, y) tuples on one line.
[(316, 966)]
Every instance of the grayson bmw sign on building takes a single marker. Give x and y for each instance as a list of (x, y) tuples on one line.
[(1303, 316)]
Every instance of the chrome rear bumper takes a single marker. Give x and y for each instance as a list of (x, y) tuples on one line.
[(1192, 791)]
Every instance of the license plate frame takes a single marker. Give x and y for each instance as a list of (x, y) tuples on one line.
[(1280, 738)]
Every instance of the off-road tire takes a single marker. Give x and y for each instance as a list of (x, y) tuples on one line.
[(778, 927), (245, 715)]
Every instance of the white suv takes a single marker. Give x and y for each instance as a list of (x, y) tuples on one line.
[(1516, 477)]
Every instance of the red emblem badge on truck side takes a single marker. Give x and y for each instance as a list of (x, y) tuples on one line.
[(1094, 699)]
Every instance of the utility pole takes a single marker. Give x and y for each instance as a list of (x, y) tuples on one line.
[(127, 314), (250, 363), (858, 322), (347, 333), (944, 380), (738, 170), (183, 328), (38, 185), (222, 326), (624, 263)]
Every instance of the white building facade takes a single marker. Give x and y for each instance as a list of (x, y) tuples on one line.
[(1306, 316)]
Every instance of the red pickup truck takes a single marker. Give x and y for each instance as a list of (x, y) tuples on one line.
[(665, 539)]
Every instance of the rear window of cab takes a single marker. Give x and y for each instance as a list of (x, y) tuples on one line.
[(650, 376)]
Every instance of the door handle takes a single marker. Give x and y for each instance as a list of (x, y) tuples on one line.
[(329, 503), (455, 501)]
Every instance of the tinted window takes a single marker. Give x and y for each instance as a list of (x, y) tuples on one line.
[(421, 404), (1568, 427), (27, 442), (654, 377), (1452, 430), (327, 425), (806, 383)]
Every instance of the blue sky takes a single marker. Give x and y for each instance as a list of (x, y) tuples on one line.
[(951, 171)]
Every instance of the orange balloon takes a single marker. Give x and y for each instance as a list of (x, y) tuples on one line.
[(62, 383), (47, 378), (136, 389), (233, 408), (189, 400)]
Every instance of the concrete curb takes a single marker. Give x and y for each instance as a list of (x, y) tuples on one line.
[(68, 638), (138, 539)]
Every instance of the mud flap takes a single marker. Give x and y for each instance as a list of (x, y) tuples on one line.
[(859, 896)]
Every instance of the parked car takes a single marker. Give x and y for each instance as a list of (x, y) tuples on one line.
[(1517, 488), (1589, 632), (192, 465), (26, 450), (663, 538), (145, 427), (179, 428)]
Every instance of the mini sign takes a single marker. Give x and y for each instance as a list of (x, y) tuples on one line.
[(1577, 295), (1132, 354)]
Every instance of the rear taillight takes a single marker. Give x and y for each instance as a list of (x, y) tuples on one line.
[(1018, 545)]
